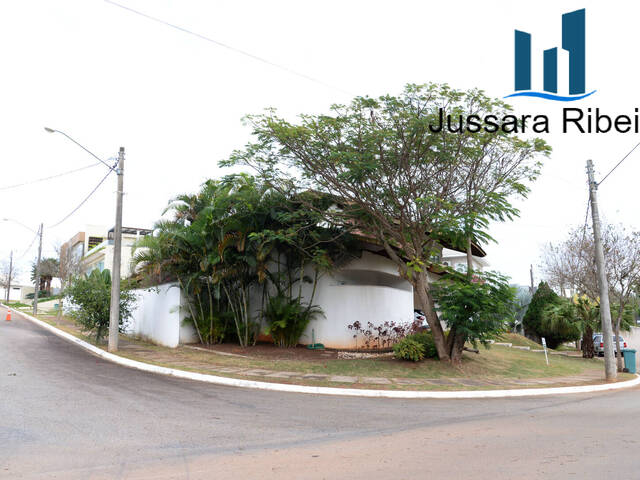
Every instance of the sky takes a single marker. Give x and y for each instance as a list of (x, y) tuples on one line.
[(110, 78)]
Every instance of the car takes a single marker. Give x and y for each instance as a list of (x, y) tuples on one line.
[(598, 344)]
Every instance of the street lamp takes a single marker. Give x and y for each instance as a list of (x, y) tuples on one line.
[(39, 233), (114, 307)]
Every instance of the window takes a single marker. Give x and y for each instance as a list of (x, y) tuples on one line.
[(461, 267), (95, 241)]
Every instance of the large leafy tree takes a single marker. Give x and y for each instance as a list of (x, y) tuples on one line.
[(394, 179)]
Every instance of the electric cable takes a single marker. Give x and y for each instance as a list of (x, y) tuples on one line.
[(83, 201), (617, 164), (30, 182), (232, 48)]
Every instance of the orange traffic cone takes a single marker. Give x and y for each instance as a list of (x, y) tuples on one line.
[(8, 319)]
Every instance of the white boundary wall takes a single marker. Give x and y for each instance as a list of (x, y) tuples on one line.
[(158, 316)]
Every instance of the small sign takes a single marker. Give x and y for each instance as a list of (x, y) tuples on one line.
[(544, 345)]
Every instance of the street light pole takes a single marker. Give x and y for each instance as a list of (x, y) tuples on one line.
[(114, 311), (35, 295), (114, 307)]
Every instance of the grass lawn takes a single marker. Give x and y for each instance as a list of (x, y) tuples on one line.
[(518, 340), (492, 364)]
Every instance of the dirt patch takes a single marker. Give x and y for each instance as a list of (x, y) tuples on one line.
[(268, 351)]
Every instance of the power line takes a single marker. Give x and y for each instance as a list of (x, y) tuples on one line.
[(9, 187), (586, 218), (83, 201), (233, 49), (30, 245), (617, 164)]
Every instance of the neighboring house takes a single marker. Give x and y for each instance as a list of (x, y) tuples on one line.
[(17, 293), (94, 248), (458, 260)]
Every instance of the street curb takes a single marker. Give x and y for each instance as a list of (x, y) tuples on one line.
[(351, 392)]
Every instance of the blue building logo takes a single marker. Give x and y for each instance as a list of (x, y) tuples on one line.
[(573, 40)]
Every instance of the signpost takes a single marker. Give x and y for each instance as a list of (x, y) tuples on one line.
[(544, 345)]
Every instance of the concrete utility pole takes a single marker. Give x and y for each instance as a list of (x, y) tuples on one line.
[(114, 311), (610, 369), (532, 287), (10, 274), (37, 290)]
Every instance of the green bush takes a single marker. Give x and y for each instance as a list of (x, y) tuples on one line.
[(90, 296), (408, 349), (287, 319), (426, 340)]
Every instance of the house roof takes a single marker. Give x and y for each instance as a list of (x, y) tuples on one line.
[(476, 249)]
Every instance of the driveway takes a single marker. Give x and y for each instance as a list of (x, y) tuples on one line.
[(66, 414)]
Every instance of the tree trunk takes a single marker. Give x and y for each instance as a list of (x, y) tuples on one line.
[(587, 343), (457, 348), (424, 294)]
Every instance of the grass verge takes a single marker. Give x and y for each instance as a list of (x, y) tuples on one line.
[(494, 368)]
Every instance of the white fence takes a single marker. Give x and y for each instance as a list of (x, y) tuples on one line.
[(159, 315)]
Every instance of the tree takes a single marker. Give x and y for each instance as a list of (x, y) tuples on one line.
[(622, 256), (477, 310), (49, 269), (239, 238), (90, 296), (571, 263), (532, 321), (69, 266), (8, 273), (396, 180)]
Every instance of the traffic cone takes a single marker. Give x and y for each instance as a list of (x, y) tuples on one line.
[(8, 319)]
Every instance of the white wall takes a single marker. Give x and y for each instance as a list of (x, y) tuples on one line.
[(158, 316), (15, 293), (368, 289)]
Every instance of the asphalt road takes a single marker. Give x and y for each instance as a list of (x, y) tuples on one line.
[(66, 414)]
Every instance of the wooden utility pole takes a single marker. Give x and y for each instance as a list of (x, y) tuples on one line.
[(10, 274), (37, 290), (610, 369), (114, 310)]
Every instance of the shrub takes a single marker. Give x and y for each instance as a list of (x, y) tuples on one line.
[(91, 297), (408, 349), (426, 340), (287, 319)]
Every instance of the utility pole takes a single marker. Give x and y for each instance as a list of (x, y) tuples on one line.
[(114, 312), (531, 288), (610, 369), (35, 295), (10, 274)]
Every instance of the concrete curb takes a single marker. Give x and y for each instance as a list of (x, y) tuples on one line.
[(352, 392)]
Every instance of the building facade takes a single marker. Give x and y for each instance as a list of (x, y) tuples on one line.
[(93, 249)]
